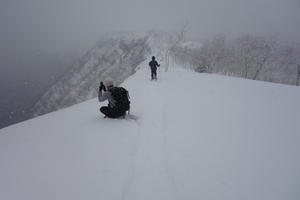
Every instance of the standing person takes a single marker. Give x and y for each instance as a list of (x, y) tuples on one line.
[(153, 63), (118, 99)]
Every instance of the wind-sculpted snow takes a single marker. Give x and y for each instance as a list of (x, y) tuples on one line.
[(189, 136)]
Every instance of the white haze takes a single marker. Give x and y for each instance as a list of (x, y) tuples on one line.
[(61, 25), (189, 136)]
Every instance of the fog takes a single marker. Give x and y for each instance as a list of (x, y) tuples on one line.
[(37, 38)]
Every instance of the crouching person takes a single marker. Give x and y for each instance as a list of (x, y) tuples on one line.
[(117, 97)]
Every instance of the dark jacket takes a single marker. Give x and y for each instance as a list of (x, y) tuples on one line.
[(153, 63)]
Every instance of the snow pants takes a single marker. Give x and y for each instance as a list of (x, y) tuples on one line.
[(112, 112), (153, 74)]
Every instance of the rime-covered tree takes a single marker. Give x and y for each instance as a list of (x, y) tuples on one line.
[(212, 53), (175, 38)]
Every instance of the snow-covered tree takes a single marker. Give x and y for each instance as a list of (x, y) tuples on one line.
[(175, 38), (212, 54)]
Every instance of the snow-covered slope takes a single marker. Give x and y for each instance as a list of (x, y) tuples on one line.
[(190, 136), (117, 54)]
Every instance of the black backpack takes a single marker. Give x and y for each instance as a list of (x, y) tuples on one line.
[(121, 97)]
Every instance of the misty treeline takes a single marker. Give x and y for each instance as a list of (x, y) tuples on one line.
[(248, 56)]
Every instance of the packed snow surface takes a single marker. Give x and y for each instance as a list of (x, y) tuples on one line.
[(188, 136)]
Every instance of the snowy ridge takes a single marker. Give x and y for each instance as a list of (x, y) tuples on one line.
[(189, 136), (117, 55)]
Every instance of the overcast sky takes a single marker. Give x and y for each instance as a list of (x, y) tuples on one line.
[(62, 24)]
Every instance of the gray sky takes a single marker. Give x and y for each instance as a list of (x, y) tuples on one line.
[(58, 25)]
